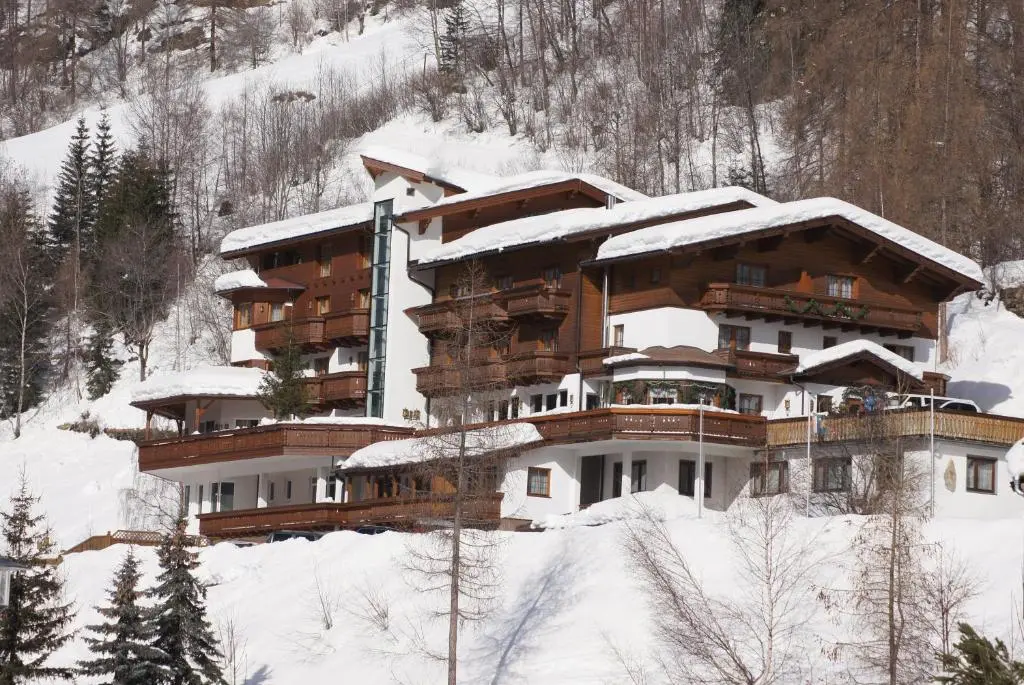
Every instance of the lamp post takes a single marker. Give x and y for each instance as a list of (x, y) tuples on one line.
[(8, 567), (699, 491)]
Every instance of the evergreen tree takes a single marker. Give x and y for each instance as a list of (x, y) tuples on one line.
[(101, 168), (283, 390), (122, 649), (74, 206), (35, 623), (100, 363), (453, 40), (976, 661), (184, 636), (137, 194)]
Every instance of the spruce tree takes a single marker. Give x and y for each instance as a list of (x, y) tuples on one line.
[(453, 40), (102, 165), (283, 390), (102, 367), (35, 623), (976, 661), (122, 647), (74, 206), (184, 636)]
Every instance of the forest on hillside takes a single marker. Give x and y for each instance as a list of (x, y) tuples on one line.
[(913, 110)]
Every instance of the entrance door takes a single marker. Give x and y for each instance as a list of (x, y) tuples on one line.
[(591, 480)]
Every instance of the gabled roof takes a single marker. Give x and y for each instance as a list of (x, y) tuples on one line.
[(570, 223), (245, 240), (378, 158), (723, 228), (848, 352)]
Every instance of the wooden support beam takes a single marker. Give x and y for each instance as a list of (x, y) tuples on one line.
[(870, 253), (913, 273), (423, 223)]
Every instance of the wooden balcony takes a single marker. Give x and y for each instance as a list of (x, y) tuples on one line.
[(349, 326), (592, 361), (791, 306), (987, 429), (264, 441), (438, 381), (537, 367), (400, 512), (765, 366), (643, 423), (538, 301), (450, 314), (344, 388), (306, 333)]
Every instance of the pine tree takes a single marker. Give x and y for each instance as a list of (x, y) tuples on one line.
[(283, 391), (122, 649), (74, 206), (35, 623), (453, 41), (100, 363), (102, 161), (976, 661), (184, 636)]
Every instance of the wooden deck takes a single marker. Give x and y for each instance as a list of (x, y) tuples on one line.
[(986, 429), (264, 441), (402, 512), (651, 423)]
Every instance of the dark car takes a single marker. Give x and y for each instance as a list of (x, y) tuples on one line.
[(281, 535), (373, 530)]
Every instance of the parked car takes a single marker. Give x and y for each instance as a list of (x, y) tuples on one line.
[(941, 403), (241, 543), (373, 530), (281, 535)]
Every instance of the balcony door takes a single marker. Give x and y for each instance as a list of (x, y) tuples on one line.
[(591, 480)]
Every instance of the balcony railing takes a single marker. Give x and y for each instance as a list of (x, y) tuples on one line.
[(540, 300), (403, 512), (642, 423), (451, 314), (786, 304), (986, 429), (436, 381), (537, 366), (348, 325), (303, 332), (592, 361), (345, 387), (759, 365), (281, 439)]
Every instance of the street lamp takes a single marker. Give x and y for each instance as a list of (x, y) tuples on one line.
[(8, 567)]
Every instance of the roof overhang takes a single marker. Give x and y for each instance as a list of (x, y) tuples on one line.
[(823, 372), (569, 186), (295, 240), (175, 407), (275, 290)]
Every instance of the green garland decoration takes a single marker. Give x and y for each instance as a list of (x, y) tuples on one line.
[(841, 310)]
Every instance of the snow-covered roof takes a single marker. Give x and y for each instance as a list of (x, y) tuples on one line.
[(564, 224), (622, 358), (298, 227), (432, 168), (479, 442), (809, 362), (204, 381), (246, 278), (727, 225)]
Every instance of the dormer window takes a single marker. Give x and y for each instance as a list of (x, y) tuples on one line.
[(840, 286), (751, 274)]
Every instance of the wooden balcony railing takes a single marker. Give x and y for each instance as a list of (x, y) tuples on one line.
[(281, 439), (592, 361), (538, 301), (349, 325), (786, 304), (760, 365), (303, 332), (986, 429), (437, 381), (537, 366), (643, 423), (449, 314), (403, 512), (345, 387)]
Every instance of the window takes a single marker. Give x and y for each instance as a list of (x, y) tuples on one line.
[(688, 474), (270, 493), (551, 401), (563, 398), (750, 404), (273, 260), (515, 408), (504, 283), (617, 479), (751, 274), (363, 298), (618, 335), (828, 341), (288, 490), (655, 276), (503, 408), (323, 305), (536, 403), (225, 495), (733, 337), (593, 402), (663, 395), (824, 404), (320, 365), (553, 277), (832, 475), (362, 360), (323, 256), (981, 474), (638, 477), (200, 499), (840, 286), (707, 479), (187, 495), (246, 423), (785, 342), (277, 311), (769, 478), (459, 290), (549, 339), (365, 250), (243, 315), (538, 482), (410, 191), (905, 351), (207, 426)]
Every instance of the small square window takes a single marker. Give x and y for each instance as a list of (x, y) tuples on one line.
[(769, 478), (504, 283), (563, 398), (618, 335), (785, 342), (751, 274), (553, 277), (536, 403), (981, 474), (323, 305), (550, 401), (538, 482), (750, 404), (828, 341), (277, 312), (840, 286), (832, 475), (733, 337), (549, 340), (410, 191)]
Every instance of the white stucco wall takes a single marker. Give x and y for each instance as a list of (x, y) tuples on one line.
[(666, 326), (564, 488), (243, 346)]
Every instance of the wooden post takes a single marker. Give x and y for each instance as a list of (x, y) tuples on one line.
[(149, 424)]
